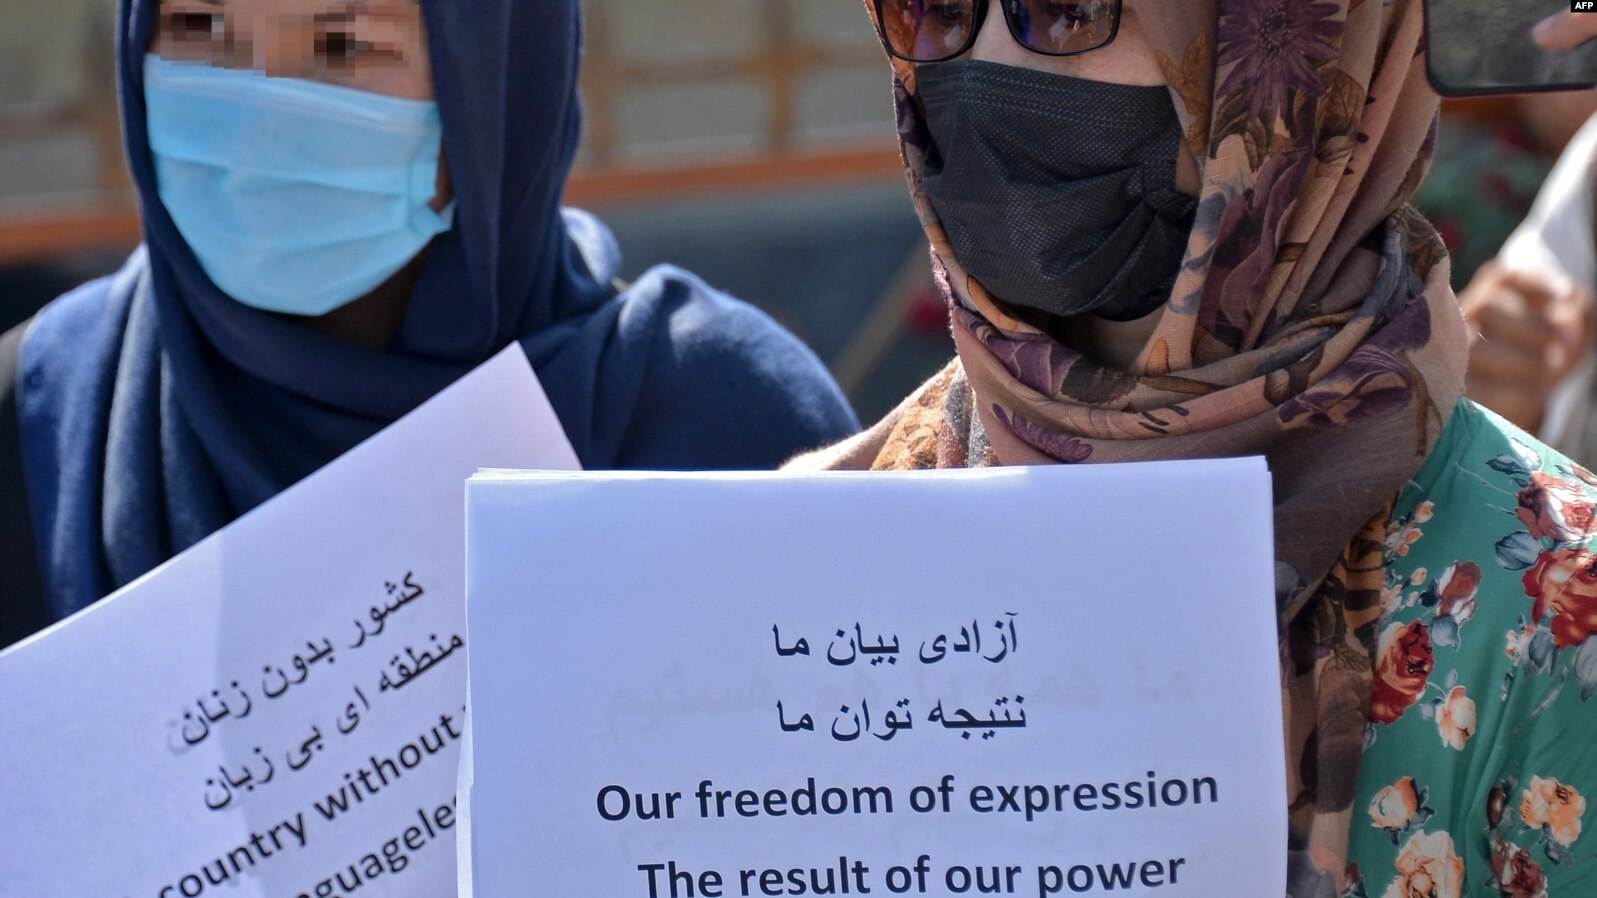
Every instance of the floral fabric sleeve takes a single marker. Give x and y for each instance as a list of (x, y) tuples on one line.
[(1481, 743)]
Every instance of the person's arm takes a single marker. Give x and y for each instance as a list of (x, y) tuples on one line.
[(1529, 329), (1565, 30), (1526, 311)]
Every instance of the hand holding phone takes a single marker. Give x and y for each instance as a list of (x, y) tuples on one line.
[(1567, 29), (1476, 47)]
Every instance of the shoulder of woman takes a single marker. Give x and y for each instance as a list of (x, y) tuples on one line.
[(1494, 494), (913, 436), (64, 349), (723, 372), (50, 361), (1480, 453), (1493, 552), (1536, 545), (23, 610), (1485, 665)]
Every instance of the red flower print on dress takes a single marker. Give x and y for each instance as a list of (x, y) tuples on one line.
[(1556, 509), (1514, 873), (1564, 584), (1403, 661)]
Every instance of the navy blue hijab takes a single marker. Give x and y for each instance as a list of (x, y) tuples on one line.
[(155, 409)]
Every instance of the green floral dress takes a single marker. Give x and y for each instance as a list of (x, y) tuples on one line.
[(1481, 745)]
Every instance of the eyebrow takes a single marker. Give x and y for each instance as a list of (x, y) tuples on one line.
[(345, 10)]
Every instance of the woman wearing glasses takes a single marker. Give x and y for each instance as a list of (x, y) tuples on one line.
[(1179, 229), (346, 208)]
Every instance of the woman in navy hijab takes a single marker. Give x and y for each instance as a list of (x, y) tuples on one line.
[(347, 206)]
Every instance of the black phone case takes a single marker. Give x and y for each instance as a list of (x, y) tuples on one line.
[(1480, 47)]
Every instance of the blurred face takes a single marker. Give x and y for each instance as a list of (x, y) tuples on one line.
[(372, 45)]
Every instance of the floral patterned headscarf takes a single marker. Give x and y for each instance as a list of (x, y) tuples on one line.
[(1311, 322)]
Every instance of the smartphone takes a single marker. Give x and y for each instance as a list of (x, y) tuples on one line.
[(1477, 47)]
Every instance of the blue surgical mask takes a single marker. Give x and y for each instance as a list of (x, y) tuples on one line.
[(295, 196)]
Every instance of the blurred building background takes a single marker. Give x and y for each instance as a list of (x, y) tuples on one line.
[(65, 213), (750, 141)]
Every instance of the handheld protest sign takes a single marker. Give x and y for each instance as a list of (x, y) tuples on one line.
[(277, 712), (1025, 681)]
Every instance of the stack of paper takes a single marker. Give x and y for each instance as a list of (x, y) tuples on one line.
[(1034, 682)]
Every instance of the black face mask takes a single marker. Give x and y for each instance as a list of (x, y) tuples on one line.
[(1057, 193)]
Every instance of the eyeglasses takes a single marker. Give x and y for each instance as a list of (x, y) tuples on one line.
[(938, 30)]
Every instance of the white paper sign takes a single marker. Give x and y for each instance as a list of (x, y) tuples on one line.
[(276, 712), (1030, 682)]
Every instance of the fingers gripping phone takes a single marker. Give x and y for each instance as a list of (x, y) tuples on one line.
[(1476, 47)]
